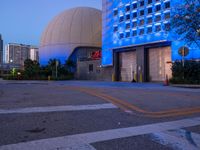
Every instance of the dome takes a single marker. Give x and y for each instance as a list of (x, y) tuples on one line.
[(77, 27)]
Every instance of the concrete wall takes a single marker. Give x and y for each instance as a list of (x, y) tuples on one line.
[(98, 73)]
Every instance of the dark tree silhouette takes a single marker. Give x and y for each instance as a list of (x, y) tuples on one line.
[(31, 69), (186, 21)]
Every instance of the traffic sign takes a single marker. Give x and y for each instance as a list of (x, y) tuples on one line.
[(183, 51)]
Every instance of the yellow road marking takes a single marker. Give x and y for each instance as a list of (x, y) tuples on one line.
[(128, 106)]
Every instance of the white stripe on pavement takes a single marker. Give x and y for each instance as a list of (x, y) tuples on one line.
[(72, 141), (178, 139), (58, 108)]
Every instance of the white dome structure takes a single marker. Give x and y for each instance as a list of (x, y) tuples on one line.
[(77, 27)]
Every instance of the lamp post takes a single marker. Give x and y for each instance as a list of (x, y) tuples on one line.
[(56, 69)]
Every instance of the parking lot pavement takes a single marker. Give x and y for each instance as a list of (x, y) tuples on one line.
[(64, 115), (39, 94)]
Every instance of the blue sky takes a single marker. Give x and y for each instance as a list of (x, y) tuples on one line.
[(23, 21)]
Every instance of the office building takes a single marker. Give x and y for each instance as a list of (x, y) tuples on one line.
[(137, 41)]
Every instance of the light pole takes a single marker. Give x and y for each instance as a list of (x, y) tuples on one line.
[(56, 69)]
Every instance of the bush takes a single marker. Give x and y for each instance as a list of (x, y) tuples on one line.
[(189, 74)]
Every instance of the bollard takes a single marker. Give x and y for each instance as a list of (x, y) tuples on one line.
[(49, 78), (166, 82), (113, 77)]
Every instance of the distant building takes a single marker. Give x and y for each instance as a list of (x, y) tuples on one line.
[(18, 53), (34, 53), (1, 50), (74, 28), (75, 35), (87, 62)]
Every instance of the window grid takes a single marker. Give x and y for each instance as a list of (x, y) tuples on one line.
[(140, 14)]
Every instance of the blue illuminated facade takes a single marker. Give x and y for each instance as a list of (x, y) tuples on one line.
[(129, 23)]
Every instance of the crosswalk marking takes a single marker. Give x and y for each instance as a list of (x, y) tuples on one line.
[(58, 108), (83, 140), (178, 139)]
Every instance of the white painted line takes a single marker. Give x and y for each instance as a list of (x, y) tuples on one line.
[(72, 141), (178, 139), (58, 108)]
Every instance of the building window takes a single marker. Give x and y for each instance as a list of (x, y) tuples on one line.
[(149, 1), (91, 68), (134, 6), (141, 22), (158, 28), (128, 26), (115, 12), (127, 34), (121, 35), (134, 33), (150, 10), (134, 24), (135, 15), (141, 32), (149, 20), (141, 12), (167, 5), (158, 7), (121, 19), (149, 30), (167, 26), (115, 29), (142, 3), (128, 17), (128, 8), (167, 16), (158, 18)]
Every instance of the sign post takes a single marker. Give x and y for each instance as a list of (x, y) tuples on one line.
[(183, 51)]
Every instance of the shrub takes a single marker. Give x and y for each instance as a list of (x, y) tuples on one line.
[(189, 74)]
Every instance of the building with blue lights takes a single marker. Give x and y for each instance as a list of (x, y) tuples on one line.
[(137, 41)]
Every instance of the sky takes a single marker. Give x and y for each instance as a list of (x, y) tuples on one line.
[(23, 21)]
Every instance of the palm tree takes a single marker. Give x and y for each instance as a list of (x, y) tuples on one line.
[(53, 64)]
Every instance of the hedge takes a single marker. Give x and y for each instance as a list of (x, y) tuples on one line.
[(187, 74)]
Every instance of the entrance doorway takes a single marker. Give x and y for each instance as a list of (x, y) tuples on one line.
[(159, 63)]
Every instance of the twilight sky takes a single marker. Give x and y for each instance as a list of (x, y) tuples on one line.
[(23, 21)]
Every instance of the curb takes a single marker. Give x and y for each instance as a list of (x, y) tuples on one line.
[(196, 86)]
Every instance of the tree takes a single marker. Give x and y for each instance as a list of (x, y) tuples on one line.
[(52, 66), (70, 65), (186, 21), (31, 69)]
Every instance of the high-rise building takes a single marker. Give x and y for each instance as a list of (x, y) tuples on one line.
[(1, 50), (34, 53), (18, 53), (137, 42)]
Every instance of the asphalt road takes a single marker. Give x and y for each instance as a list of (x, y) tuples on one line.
[(85, 115)]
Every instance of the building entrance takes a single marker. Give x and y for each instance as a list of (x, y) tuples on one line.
[(127, 66), (159, 63)]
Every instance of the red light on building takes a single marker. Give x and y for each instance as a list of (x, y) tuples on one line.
[(96, 55)]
